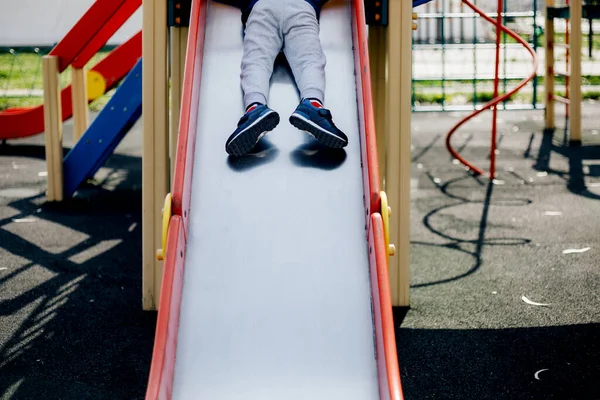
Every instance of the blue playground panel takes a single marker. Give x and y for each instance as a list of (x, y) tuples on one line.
[(420, 2), (105, 133)]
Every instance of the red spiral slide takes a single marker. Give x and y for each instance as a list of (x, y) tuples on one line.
[(85, 39), (497, 99)]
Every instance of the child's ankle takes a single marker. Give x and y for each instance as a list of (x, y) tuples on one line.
[(315, 102), (253, 106)]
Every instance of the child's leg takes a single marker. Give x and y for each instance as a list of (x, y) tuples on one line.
[(303, 49), (304, 53), (262, 42)]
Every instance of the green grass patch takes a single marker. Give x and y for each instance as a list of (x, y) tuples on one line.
[(485, 97), (11, 102), (591, 80), (23, 70), (20, 71)]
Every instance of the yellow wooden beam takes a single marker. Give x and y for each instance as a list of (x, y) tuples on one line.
[(155, 145), (390, 50), (398, 110), (80, 103), (378, 66), (575, 73), (53, 128), (549, 67), (179, 36)]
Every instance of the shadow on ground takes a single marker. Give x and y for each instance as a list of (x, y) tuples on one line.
[(476, 248), (73, 326), (576, 155), (471, 247), (500, 364)]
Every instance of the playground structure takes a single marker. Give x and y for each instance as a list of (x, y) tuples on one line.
[(572, 11), (192, 260), (497, 98), (172, 159), (94, 143), (169, 137), (174, 156)]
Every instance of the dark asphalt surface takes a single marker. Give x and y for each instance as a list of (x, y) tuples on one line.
[(476, 249), (71, 324)]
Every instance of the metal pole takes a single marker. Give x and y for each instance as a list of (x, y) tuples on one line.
[(496, 83)]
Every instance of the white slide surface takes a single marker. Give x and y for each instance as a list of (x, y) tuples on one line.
[(276, 300)]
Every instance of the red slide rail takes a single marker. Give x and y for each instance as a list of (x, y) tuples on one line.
[(160, 381), (497, 99), (160, 384), (365, 106), (186, 141), (100, 22), (390, 387)]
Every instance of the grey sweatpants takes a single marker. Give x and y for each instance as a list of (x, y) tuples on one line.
[(291, 26)]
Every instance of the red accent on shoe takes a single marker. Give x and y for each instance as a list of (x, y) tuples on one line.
[(317, 104), (251, 108)]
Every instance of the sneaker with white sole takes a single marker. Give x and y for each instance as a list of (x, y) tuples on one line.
[(312, 117), (254, 124)]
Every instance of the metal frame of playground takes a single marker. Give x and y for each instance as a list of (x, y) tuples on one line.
[(573, 11), (390, 48)]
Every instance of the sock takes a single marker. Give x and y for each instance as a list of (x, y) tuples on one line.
[(315, 102), (252, 106)]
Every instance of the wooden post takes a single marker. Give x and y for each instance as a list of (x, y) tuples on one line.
[(80, 103), (53, 128), (549, 64), (155, 148), (178, 49), (391, 54), (575, 74), (378, 63)]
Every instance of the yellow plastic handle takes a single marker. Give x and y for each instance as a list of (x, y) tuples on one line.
[(386, 212), (166, 218)]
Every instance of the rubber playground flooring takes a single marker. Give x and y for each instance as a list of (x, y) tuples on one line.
[(482, 257)]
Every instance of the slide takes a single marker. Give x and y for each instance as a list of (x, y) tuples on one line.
[(85, 39), (275, 280)]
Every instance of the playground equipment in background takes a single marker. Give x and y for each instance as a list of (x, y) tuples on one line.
[(385, 170), (23, 122), (93, 143), (104, 134), (496, 98), (572, 11)]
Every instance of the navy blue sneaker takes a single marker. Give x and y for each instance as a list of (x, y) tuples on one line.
[(310, 116), (254, 124)]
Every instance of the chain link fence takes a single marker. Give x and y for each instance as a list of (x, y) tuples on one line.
[(454, 55), (453, 59), (21, 76)]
